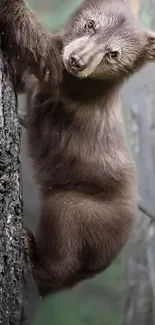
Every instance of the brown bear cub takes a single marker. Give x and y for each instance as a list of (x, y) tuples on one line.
[(75, 134)]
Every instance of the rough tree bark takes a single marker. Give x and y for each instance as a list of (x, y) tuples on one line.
[(13, 288)]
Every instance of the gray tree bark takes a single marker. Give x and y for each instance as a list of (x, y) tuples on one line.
[(13, 277)]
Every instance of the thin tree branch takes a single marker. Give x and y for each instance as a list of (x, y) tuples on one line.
[(146, 211)]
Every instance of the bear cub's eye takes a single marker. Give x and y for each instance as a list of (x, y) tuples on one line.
[(113, 55), (90, 25)]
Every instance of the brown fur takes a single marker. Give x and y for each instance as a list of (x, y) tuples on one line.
[(28, 45), (76, 142)]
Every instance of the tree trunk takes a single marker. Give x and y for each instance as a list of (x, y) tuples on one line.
[(13, 286)]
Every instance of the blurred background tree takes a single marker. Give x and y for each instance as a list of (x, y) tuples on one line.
[(119, 296)]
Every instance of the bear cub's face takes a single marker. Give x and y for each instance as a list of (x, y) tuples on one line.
[(103, 39)]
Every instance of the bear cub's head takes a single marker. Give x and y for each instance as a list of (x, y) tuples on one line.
[(104, 40)]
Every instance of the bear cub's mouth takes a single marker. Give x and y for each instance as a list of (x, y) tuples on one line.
[(74, 64)]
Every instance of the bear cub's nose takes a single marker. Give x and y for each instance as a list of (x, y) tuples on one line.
[(76, 63)]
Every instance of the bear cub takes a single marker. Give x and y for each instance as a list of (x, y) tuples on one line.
[(75, 134)]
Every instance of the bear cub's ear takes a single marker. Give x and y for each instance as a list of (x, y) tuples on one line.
[(150, 45)]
